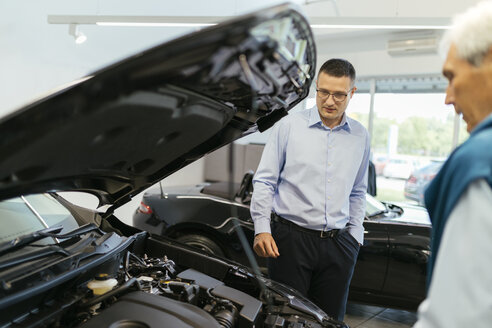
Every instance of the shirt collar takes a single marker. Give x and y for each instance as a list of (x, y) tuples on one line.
[(315, 119)]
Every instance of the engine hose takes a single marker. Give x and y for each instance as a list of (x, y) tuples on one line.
[(122, 288), (226, 318)]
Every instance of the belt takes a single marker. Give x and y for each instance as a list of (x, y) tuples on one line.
[(319, 233)]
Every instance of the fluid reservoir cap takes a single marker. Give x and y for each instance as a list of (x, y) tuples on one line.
[(102, 284), (102, 276)]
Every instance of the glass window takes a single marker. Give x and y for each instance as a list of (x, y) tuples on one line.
[(409, 131), (359, 108), (462, 133), (20, 216)]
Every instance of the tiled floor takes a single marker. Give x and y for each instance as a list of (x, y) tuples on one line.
[(365, 316)]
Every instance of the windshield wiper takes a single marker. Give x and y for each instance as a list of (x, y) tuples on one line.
[(24, 240), (87, 245), (386, 210), (51, 232)]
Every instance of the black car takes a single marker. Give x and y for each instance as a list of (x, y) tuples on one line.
[(391, 266), (115, 133)]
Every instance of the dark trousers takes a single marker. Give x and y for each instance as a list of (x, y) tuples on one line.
[(319, 268)]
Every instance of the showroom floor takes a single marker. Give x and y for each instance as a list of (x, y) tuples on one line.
[(365, 316)]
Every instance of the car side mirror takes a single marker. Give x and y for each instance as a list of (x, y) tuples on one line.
[(246, 188)]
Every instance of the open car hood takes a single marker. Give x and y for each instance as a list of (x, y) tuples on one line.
[(121, 129)]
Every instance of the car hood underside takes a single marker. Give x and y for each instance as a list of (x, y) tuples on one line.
[(119, 130)]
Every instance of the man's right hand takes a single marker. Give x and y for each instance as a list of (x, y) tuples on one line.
[(265, 246)]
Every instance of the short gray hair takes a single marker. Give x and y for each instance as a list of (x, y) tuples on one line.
[(471, 33)]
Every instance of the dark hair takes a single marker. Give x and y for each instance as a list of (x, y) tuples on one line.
[(338, 67)]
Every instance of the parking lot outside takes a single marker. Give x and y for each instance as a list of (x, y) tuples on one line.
[(391, 190)]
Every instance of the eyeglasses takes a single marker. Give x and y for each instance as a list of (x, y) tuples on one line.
[(337, 96)]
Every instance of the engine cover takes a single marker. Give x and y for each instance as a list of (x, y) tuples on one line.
[(143, 310)]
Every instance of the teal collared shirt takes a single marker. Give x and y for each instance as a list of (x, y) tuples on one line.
[(313, 175)]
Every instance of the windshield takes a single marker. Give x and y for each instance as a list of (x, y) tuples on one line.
[(26, 214), (373, 205)]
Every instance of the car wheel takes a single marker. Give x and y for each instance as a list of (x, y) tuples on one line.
[(201, 242)]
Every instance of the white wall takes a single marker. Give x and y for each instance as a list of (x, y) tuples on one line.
[(37, 56), (366, 49), (388, 8), (369, 56)]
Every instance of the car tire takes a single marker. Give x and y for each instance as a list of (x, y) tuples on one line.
[(203, 243)]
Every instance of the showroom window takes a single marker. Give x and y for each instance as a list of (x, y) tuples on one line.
[(411, 128), (412, 133)]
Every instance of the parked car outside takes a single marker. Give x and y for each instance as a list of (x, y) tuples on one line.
[(114, 134), (399, 168), (380, 162), (391, 266), (419, 180)]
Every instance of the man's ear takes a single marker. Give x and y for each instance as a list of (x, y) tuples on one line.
[(353, 91), (487, 59)]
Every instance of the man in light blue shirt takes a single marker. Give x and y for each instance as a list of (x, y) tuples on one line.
[(308, 203)]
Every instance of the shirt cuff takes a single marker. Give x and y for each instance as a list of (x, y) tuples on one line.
[(262, 225), (358, 233)]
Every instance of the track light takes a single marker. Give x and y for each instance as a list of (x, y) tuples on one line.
[(73, 30), (317, 22)]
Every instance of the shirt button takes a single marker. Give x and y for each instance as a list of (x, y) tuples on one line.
[(328, 197), (329, 180), (329, 163), (330, 147)]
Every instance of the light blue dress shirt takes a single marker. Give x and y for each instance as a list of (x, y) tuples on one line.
[(312, 175)]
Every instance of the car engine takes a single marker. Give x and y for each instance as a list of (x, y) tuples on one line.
[(98, 279)]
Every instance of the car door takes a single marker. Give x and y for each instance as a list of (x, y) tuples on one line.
[(409, 252), (370, 270)]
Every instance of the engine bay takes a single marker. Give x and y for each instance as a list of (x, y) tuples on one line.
[(102, 279)]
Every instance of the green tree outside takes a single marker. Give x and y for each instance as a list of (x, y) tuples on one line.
[(417, 136)]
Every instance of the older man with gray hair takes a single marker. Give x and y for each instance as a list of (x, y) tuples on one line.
[(459, 199)]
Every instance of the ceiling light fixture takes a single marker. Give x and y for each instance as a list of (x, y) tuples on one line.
[(145, 21), (155, 24), (382, 27), (382, 23), (79, 37)]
